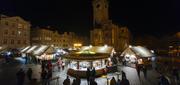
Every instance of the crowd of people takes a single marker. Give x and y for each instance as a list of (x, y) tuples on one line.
[(47, 69), (124, 80)]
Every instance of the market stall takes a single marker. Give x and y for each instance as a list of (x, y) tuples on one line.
[(45, 53), (137, 54), (89, 57)]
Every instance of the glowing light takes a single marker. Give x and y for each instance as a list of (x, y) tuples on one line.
[(105, 46), (85, 52), (109, 59), (8, 53), (77, 44), (130, 46), (142, 51), (90, 46), (152, 51)]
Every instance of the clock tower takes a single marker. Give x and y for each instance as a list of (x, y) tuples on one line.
[(100, 13)]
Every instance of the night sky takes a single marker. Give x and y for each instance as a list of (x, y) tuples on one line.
[(143, 17)]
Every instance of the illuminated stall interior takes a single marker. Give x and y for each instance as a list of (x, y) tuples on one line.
[(97, 57), (137, 54), (44, 52)]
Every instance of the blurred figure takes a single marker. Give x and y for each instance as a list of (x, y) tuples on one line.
[(123, 74), (20, 77), (138, 69), (163, 80), (145, 71), (63, 64), (43, 76), (92, 81), (118, 82), (125, 81), (88, 75), (66, 81), (74, 82), (93, 73), (29, 73), (48, 77), (78, 80), (113, 81)]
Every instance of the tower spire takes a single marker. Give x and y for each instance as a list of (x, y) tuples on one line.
[(100, 12)]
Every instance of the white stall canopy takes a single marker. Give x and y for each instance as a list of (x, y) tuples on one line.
[(137, 51)]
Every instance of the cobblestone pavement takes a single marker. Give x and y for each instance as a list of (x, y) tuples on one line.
[(8, 75)]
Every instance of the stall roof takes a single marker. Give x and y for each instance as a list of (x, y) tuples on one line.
[(98, 49), (30, 50), (49, 50), (40, 50), (139, 51), (3, 49), (25, 49)]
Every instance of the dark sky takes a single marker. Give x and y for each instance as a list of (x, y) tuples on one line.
[(154, 17)]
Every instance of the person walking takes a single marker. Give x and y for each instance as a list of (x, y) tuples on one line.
[(118, 82), (63, 65), (29, 74), (145, 71), (43, 76), (163, 80), (20, 77), (113, 81), (74, 82), (88, 75), (48, 77), (78, 80), (138, 69), (93, 72), (66, 81), (125, 81), (123, 74), (92, 81)]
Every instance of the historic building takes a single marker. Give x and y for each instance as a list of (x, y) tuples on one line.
[(14, 32), (44, 36), (104, 31)]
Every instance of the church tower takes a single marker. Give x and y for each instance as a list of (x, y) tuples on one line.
[(100, 13)]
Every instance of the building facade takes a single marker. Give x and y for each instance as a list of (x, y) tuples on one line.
[(14, 32), (43, 36), (104, 31)]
